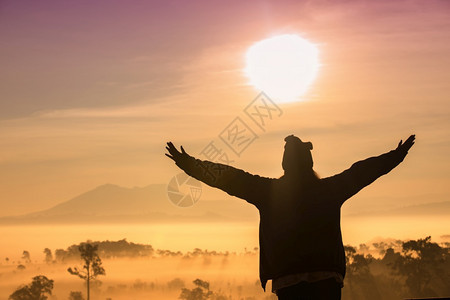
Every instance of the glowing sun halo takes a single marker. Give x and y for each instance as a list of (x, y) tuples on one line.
[(282, 66)]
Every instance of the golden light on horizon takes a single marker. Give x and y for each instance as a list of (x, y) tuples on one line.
[(282, 66)]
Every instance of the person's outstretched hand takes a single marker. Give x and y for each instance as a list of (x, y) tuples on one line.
[(404, 147), (174, 154)]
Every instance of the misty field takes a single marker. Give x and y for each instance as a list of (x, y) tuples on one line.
[(151, 275), (389, 269)]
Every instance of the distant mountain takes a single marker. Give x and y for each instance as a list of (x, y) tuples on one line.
[(112, 203), (110, 199), (428, 209)]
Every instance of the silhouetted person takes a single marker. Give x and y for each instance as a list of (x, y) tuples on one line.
[(300, 238)]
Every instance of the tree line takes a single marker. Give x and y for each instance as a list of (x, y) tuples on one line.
[(402, 269), (421, 268)]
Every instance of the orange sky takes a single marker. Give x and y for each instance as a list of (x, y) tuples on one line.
[(90, 93)]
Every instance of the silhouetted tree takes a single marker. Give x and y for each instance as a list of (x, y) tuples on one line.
[(107, 249), (75, 296), (123, 248), (359, 279), (175, 284), (92, 265), (48, 255), (26, 256), (425, 266), (390, 257), (200, 292), (60, 255), (36, 290)]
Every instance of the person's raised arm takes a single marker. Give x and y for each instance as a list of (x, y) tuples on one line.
[(234, 181), (363, 173)]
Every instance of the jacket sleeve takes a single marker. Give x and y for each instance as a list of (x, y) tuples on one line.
[(363, 173), (233, 181)]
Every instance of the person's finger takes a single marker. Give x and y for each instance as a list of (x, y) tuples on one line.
[(175, 149), (182, 150), (169, 156), (171, 148), (399, 144), (172, 153), (412, 138), (409, 145)]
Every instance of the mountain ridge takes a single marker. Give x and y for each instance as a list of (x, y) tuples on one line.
[(110, 203), (113, 203)]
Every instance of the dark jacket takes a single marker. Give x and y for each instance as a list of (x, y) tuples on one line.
[(299, 228)]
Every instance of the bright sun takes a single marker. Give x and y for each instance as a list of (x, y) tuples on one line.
[(282, 66)]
